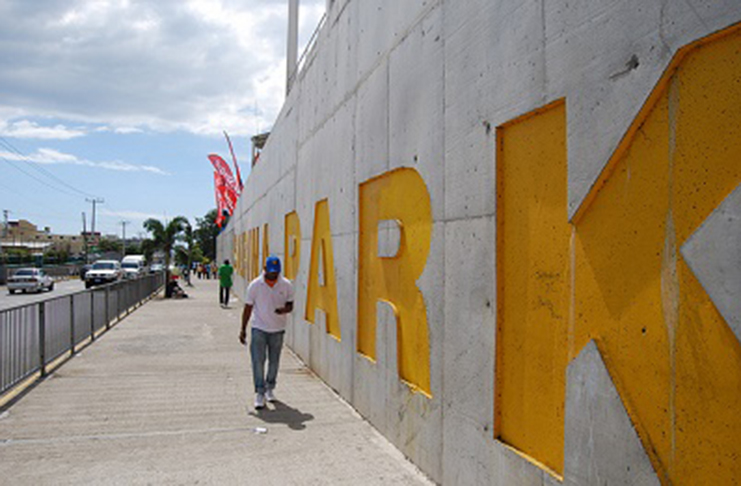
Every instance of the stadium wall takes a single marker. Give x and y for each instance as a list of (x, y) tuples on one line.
[(513, 228)]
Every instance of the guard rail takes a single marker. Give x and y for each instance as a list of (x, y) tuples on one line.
[(33, 336)]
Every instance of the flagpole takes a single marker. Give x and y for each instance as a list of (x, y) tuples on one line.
[(234, 158)]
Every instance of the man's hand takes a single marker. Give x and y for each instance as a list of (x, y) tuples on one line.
[(246, 314), (286, 309)]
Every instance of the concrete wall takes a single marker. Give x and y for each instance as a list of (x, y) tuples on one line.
[(584, 331)]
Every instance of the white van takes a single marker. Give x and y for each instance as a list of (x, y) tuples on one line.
[(133, 266)]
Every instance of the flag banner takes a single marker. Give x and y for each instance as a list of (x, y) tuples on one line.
[(229, 197), (222, 168), (236, 166), (220, 203)]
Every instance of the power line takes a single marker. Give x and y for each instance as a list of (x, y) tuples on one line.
[(35, 165), (67, 193)]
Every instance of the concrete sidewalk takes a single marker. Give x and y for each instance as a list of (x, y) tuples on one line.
[(166, 397)]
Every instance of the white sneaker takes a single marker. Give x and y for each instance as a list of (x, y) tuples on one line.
[(270, 396), (260, 401)]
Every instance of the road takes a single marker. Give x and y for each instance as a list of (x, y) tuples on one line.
[(60, 288)]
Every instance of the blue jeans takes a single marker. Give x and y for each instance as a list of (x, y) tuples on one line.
[(265, 344)]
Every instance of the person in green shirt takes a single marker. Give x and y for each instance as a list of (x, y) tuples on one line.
[(225, 283)]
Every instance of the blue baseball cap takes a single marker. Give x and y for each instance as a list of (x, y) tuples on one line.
[(272, 264)]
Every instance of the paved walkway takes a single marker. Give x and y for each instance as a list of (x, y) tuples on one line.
[(165, 398)]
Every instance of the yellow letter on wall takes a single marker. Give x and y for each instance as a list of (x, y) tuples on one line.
[(236, 253), (532, 285), (254, 253), (621, 279), (265, 244), (399, 195), (293, 246), (322, 295), (673, 358)]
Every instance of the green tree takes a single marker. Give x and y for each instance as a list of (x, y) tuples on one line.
[(134, 248), (165, 237), (57, 255), (206, 233), (148, 249), (109, 245), (188, 250)]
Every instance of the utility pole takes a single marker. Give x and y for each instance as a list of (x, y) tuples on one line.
[(84, 236), (95, 200), (123, 226), (5, 235)]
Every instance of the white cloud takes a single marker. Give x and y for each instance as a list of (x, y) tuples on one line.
[(127, 130), (194, 65), (49, 156), (131, 215), (32, 130)]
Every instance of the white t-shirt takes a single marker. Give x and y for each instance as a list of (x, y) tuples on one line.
[(264, 299)]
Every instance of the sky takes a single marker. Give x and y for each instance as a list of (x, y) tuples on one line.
[(122, 100)]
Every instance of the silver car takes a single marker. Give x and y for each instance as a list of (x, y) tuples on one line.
[(26, 279)]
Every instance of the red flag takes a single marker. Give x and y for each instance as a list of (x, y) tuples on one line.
[(229, 197), (236, 166), (222, 168), (220, 203)]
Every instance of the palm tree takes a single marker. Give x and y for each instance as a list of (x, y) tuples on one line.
[(188, 237), (164, 237)]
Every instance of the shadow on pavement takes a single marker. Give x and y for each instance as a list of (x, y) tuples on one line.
[(283, 414)]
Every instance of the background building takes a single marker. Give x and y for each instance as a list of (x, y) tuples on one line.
[(23, 234)]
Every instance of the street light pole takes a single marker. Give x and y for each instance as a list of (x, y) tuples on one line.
[(123, 226), (84, 237), (5, 232)]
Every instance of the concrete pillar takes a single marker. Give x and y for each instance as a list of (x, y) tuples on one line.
[(292, 58)]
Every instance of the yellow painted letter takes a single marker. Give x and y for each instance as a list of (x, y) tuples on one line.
[(533, 285), (399, 195), (322, 295), (293, 245), (265, 244)]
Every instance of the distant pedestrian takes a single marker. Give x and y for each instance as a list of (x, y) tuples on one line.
[(225, 283), (271, 297)]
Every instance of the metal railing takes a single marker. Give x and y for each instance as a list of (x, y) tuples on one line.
[(32, 336), (302, 60)]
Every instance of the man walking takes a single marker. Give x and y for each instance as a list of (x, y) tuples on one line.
[(225, 283), (269, 298)]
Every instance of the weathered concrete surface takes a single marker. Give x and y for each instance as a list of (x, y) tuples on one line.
[(713, 254), (165, 398), (602, 447), (425, 84)]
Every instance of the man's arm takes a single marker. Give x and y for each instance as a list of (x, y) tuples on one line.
[(285, 309), (246, 314)]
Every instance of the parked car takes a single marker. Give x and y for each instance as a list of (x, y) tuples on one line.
[(103, 272), (26, 279), (133, 266)]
